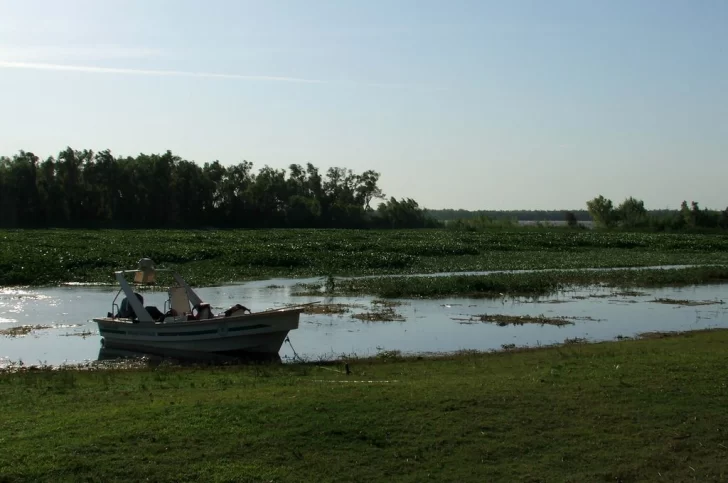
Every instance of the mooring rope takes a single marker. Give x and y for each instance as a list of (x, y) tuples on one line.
[(295, 354)]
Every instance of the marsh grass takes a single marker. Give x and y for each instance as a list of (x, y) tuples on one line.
[(629, 411)]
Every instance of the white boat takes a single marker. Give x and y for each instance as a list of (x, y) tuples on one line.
[(187, 324)]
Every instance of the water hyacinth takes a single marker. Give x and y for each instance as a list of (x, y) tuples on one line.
[(212, 257)]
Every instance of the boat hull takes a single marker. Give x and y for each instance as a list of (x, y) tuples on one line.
[(262, 332)]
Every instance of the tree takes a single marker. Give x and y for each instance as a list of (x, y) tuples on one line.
[(83, 188), (570, 219), (601, 211), (631, 213), (723, 219), (367, 188)]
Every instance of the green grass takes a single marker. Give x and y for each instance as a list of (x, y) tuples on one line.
[(639, 410), (537, 283), (39, 257)]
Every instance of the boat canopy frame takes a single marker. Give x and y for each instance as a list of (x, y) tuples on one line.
[(147, 270)]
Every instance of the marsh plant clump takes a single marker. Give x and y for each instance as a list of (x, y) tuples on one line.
[(687, 303), (384, 314), (329, 309), (387, 303), (22, 330), (504, 320)]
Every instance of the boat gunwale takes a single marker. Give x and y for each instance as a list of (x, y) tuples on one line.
[(191, 323)]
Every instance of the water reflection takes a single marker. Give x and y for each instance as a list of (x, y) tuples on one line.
[(429, 326), (186, 357)]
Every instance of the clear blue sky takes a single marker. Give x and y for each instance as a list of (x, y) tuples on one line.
[(459, 104)]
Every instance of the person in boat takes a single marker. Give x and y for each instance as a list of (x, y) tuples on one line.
[(127, 312), (125, 309)]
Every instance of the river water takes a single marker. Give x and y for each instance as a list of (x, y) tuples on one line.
[(429, 326)]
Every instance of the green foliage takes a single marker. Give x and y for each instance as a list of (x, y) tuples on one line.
[(481, 223), (636, 410), (86, 189), (210, 257), (632, 213), (403, 214), (602, 211)]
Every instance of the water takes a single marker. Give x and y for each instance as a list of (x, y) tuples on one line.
[(430, 325)]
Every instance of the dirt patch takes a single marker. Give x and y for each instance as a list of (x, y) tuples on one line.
[(387, 314), (687, 303)]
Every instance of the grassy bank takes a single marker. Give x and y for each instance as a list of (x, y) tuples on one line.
[(644, 410), (516, 284), (37, 257)]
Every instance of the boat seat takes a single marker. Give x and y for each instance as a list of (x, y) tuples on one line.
[(203, 311), (179, 301)]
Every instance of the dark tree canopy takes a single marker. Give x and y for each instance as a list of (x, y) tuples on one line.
[(87, 189)]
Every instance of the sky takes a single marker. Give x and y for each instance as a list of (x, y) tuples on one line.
[(458, 104)]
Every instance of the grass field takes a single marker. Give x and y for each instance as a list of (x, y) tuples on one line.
[(642, 410), (39, 257)]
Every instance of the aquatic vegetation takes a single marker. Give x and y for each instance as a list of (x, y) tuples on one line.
[(537, 283), (83, 334), (213, 257), (504, 320), (688, 303), (387, 303), (328, 309), (629, 293), (386, 314), (22, 330)]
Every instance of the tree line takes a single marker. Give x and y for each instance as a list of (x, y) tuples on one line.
[(97, 189), (506, 215), (631, 214)]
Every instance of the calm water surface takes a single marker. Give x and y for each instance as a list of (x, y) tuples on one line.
[(440, 325)]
